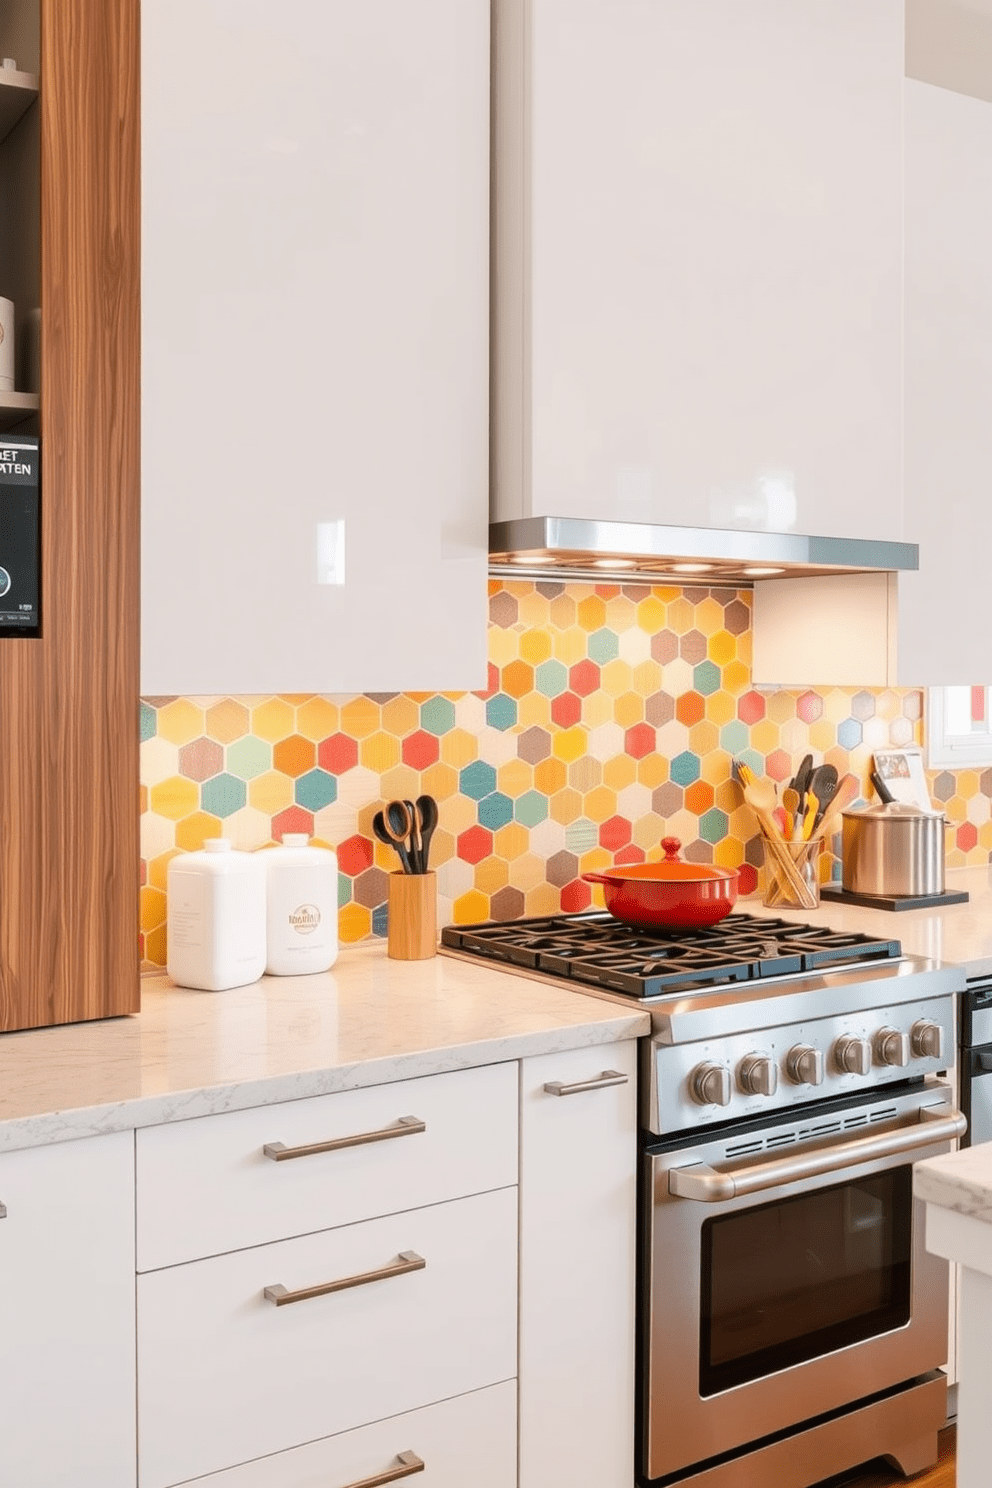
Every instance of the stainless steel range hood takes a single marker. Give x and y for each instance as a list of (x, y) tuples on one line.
[(573, 548)]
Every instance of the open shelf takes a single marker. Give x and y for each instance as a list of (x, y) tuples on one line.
[(18, 91), (15, 407)]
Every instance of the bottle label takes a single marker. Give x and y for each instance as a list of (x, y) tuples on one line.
[(305, 919)]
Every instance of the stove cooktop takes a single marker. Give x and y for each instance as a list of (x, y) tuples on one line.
[(597, 949)]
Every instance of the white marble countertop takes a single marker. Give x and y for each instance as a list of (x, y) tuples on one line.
[(960, 1182), (367, 1021)]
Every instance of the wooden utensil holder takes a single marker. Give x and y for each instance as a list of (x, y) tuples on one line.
[(412, 932)]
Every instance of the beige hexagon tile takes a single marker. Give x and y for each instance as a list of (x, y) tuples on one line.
[(586, 773), (317, 719), (273, 720), (619, 771), (544, 899), (180, 721), (227, 720), (270, 793), (780, 707), (510, 843), (566, 806)]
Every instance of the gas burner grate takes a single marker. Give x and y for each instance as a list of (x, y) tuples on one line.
[(601, 950)]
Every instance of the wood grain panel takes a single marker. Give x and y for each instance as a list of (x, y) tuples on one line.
[(69, 849)]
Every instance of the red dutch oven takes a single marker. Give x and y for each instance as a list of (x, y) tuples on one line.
[(670, 895)]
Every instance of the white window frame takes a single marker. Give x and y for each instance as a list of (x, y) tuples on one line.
[(955, 751)]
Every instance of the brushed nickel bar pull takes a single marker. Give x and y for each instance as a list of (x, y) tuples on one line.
[(939, 1123), (608, 1077), (407, 1464), (3, 1211), (407, 1126), (408, 1261)]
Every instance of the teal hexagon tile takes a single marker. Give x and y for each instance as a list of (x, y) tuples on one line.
[(501, 712), (531, 808), (249, 757), (147, 722), (551, 678), (706, 678), (344, 890), (316, 789), (495, 811), (604, 646), (223, 795), (437, 715), (734, 736), (684, 768), (713, 825), (477, 780)]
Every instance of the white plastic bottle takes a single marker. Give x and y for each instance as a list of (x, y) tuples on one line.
[(215, 922), (302, 916)]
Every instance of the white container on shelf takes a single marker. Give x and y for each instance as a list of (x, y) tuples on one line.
[(216, 917), (302, 914), (6, 346)]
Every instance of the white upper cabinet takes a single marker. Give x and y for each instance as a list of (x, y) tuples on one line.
[(698, 263), (315, 342)]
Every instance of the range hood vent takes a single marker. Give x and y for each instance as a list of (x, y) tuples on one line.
[(634, 552)]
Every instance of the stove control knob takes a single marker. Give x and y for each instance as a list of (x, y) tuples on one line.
[(892, 1047), (709, 1085), (853, 1055), (927, 1039), (804, 1065), (758, 1075)]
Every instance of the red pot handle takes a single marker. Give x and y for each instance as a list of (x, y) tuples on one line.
[(599, 878)]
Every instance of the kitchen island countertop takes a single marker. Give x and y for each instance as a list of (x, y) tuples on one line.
[(368, 1021)]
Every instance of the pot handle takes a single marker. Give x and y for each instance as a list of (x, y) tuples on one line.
[(671, 846), (598, 878)]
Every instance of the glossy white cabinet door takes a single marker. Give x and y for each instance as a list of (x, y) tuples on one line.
[(698, 277), (943, 610), (67, 1372), (315, 319), (578, 1206)]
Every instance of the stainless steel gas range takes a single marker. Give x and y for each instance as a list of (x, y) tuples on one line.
[(792, 1323)]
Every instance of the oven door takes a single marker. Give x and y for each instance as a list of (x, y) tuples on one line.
[(786, 1274)]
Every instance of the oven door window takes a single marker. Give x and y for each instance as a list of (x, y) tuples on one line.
[(795, 1278)]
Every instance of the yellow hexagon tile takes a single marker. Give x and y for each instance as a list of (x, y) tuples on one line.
[(226, 721), (194, 830), (517, 679), (597, 709), (270, 792), (569, 646), (709, 618), (619, 772), (764, 736), (503, 646), (569, 744), (534, 612), (821, 734), (151, 909), (360, 717), (354, 923), (510, 843), (400, 783), (967, 784), (715, 766), (460, 813), (439, 781), (617, 677), (780, 706), (515, 777), (836, 705), (459, 748), (471, 907), (720, 707), (727, 853), (591, 613), (550, 776), (704, 738), (380, 752), (600, 804), (400, 716), (651, 614), (566, 806), (317, 719), (491, 875), (562, 612), (985, 836), (652, 770), (721, 646), (629, 710), (620, 613), (645, 678), (647, 834), (596, 860), (158, 869), (175, 797), (744, 643), (534, 710), (156, 943), (680, 616), (273, 720), (543, 899), (736, 678), (180, 722), (535, 646)]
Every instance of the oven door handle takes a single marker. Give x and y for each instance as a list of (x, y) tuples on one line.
[(938, 1123)]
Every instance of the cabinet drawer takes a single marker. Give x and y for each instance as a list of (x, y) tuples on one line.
[(470, 1440), (208, 1186), (225, 1374)]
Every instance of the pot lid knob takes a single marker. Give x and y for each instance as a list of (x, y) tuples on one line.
[(671, 846)]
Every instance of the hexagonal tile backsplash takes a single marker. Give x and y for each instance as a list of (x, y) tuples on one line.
[(611, 719)]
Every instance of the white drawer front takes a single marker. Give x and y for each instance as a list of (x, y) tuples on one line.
[(207, 1186), (225, 1375), (471, 1440)]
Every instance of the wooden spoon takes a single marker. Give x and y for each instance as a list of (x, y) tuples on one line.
[(847, 790), (760, 796)]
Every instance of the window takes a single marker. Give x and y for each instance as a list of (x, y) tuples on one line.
[(959, 727)]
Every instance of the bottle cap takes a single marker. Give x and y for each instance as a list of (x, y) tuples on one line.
[(217, 844)]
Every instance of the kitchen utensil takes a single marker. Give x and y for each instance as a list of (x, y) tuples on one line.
[(810, 814), (847, 789), (427, 811), (669, 894), (381, 830), (893, 848), (802, 776), (791, 802), (760, 796), (823, 783), (881, 789), (416, 854), (397, 821)]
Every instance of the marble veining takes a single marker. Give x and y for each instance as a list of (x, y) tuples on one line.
[(368, 1021), (960, 1182)]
